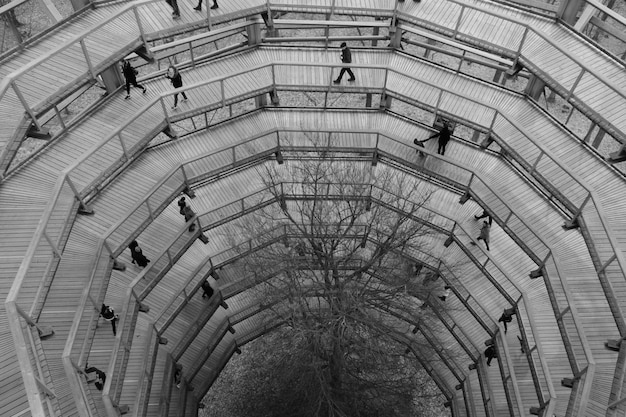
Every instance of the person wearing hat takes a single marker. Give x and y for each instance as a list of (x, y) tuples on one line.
[(346, 58)]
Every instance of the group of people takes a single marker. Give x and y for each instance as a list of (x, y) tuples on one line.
[(187, 212), (130, 76), (176, 10)]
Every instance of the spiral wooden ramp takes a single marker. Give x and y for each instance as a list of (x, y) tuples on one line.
[(59, 266)]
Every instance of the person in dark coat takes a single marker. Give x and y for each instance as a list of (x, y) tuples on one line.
[(177, 81), (490, 354), (346, 58), (175, 10), (108, 314), (444, 138), (188, 213), (199, 6), (207, 289), (137, 254), (506, 317), (130, 75), (100, 376), (182, 203)]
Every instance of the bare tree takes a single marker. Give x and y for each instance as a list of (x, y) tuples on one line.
[(339, 265)]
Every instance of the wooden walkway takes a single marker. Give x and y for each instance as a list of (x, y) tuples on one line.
[(66, 149), (12, 196), (593, 81), (195, 145)]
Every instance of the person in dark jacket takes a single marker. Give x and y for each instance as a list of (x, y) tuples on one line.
[(175, 10), (100, 376), (444, 137), (189, 214), (137, 254), (130, 75), (108, 314), (346, 58), (177, 81), (199, 6), (506, 317), (182, 203), (207, 289), (491, 353)]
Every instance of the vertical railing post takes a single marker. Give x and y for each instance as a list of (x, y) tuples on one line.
[(141, 31), (570, 93), (458, 23), (87, 59), (124, 150), (74, 190), (222, 92), (521, 44), (30, 112)]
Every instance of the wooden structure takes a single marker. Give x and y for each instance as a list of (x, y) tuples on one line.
[(59, 264)]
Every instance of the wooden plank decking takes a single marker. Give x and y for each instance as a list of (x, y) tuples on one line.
[(53, 161), (173, 216)]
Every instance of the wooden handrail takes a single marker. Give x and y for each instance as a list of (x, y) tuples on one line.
[(40, 229), (211, 34), (610, 12), (459, 45), (296, 24)]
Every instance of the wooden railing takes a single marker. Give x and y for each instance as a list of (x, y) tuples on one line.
[(594, 15), (515, 49), (75, 183), (13, 15), (220, 261), (390, 7)]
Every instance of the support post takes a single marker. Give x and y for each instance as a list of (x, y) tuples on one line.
[(111, 78), (535, 87)]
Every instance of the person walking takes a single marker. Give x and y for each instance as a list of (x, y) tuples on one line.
[(207, 289), (484, 234), (100, 376), (177, 81), (130, 75), (346, 58), (175, 10), (189, 214), (199, 6), (182, 203), (137, 254), (108, 314), (490, 354), (444, 138), (506, 317)]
